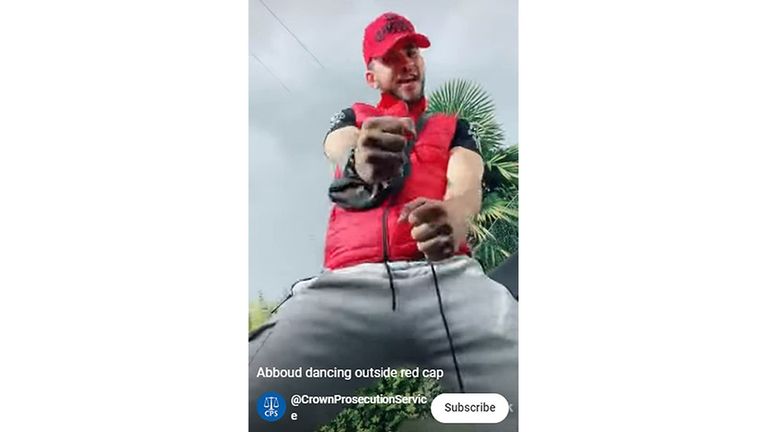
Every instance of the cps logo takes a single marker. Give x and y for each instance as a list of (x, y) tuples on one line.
[(270, 406)]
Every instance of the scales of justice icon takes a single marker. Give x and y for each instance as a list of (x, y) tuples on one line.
[(271, 404)]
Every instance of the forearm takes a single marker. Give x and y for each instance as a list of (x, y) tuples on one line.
[(339, 143), (464, 190), (466, 202)]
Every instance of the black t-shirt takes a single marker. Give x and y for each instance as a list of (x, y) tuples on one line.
[(461, 138)]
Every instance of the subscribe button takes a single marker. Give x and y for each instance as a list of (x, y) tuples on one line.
[(470, 408)]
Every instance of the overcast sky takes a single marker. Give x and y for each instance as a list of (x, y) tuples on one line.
[(289, 175)]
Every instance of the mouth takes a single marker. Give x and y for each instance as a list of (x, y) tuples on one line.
[(407, 80)]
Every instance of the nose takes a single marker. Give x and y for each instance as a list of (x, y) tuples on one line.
[(407, 64)]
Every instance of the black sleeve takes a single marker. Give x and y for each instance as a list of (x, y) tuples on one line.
[(343, 118), (463, 137)]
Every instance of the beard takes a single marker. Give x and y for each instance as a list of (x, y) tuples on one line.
[(410, 97)]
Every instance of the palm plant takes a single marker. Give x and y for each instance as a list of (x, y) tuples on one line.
[(258, 312), (493, 232), (493, 235)]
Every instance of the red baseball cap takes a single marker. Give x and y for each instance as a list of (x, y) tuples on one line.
[(385, 32)]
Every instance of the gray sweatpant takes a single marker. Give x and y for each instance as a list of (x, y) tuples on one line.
[(345, 319)]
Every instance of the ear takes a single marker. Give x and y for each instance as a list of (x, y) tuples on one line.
[(370, 79)]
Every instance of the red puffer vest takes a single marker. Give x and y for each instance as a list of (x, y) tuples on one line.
[(375, 235)]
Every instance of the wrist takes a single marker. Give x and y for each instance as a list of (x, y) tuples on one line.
[(459, 216)]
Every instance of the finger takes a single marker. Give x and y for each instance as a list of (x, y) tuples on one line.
[(429, 212), (411, 206), (383, 141), (384, 158), (399, 125), (409, 128), (438, 248), (384, 165), (382, 122), (424, 232), (395, 125)]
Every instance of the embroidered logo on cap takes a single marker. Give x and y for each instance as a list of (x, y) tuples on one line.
[(395, 24)]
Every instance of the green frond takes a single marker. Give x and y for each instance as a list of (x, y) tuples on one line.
[(508, 170), (469, 102), (490, 254), (494, 208), (479, 233), (493, 231)]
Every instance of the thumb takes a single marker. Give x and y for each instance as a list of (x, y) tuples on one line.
[(410, 207)]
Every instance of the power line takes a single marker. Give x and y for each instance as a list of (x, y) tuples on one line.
[(292, 34), (270, 72)]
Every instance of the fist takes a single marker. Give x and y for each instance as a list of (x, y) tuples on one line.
[(379, 154), (436, 230)]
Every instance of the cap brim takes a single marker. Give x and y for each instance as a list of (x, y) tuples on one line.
[(420, 40)]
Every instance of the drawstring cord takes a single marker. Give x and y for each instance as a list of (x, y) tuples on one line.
[(397, 184), (447, 330), (385, 247), (290, 292), (391, 283)]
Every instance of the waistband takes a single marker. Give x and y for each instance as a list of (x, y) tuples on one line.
[(401, 266)]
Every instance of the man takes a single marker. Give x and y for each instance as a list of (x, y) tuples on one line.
[(400, 289)]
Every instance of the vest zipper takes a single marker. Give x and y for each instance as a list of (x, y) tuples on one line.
[(385, 249), (384, 227)]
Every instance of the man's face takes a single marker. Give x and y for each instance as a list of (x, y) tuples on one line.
[(400, 72)]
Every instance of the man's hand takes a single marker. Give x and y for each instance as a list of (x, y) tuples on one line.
[(438, 226), (379, 152)]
